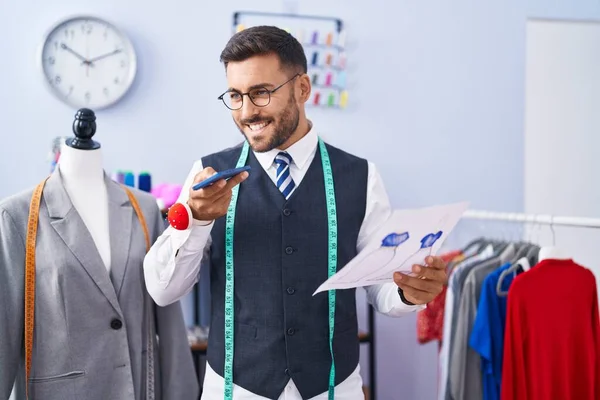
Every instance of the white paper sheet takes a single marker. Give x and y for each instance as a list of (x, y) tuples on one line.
[(406, 238)]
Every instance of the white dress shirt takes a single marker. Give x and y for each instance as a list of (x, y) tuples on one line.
[(172, 265)]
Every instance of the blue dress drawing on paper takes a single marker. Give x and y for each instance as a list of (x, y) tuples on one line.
[(394, 240), (387, 251), (428, 240), (386, 271)]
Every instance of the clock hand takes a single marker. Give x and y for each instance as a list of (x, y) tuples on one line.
[(67, 48), (117, 51)]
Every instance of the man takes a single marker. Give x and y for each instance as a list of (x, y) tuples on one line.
[(281, 238)]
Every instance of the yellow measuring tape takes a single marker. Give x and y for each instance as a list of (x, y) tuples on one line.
[(32, 225)]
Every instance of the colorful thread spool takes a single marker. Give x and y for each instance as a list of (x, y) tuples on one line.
[(331, 100), (329, 39), (344, 99), (129, 179), (145, 182)]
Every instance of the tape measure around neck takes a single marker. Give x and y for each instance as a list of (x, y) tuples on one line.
[(229, 263), (30, 246)]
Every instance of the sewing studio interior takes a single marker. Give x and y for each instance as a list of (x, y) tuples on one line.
[(300, 200)]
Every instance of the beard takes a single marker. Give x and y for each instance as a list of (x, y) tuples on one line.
[(282, 127)]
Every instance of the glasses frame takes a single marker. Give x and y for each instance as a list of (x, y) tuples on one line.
[(270, 92)]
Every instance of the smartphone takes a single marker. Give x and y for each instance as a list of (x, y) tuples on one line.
[(227, 174)]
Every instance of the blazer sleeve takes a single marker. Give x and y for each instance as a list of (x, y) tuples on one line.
[(12, 275)]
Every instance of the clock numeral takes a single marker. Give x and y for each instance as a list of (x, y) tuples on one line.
[(117, 81), (69, 33), (57, 79), (123, 64), (87, 96), (56, 45), (51, 60), (105, 91), (71, 88), (87, 28)]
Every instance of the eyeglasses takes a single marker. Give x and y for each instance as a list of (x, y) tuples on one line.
[(260, 96)]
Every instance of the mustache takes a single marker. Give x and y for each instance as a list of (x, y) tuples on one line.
[(254, 120)]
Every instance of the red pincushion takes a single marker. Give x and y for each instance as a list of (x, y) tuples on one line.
[(180, 216)]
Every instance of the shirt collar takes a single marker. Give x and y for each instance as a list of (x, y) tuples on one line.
[(300, 151)]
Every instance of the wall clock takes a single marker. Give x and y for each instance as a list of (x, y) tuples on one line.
[(88, 62)]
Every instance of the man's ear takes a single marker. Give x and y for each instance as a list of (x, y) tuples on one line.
[(305, 88)]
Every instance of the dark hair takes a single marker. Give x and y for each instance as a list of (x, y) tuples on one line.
[(262, 40)]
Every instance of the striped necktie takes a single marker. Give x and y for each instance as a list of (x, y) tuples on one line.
[(285, 183)]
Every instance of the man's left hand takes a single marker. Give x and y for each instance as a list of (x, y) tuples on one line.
[(427, 282)]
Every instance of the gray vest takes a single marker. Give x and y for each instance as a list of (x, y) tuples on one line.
[(280, 258)]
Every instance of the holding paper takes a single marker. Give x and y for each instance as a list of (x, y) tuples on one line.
[(406, 238)]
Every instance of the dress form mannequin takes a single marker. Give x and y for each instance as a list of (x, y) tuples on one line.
[(80, 166)]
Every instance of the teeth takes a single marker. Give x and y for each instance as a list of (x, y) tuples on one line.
[(256, 127)]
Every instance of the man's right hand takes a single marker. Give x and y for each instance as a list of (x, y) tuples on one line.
[(212, 202)]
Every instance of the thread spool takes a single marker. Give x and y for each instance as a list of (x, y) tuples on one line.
[(129, 179), (315, 37), (342, 61), (341, 40), (328, 59), (120, 177), (329, 39), (239, 28), (315, 56), (328, 79), (331, 100), (145, 182), (341, 79), (316, 98), (344, 99)]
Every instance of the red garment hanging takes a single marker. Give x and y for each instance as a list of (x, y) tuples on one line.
[(552, 335)]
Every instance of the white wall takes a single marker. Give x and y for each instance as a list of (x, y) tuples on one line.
[(436, 99), (562, 131)]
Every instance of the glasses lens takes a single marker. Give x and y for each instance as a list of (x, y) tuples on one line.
[(232, 100), (260, 97)]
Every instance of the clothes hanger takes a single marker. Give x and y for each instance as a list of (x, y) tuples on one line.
[(522, 263), (478, 243), (551, 252), (521, 260)]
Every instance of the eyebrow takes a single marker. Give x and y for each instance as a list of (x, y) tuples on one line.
[(257, 86)]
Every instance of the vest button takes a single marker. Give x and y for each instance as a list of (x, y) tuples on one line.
[(286, 212), (116, 324), (291, 290), (291, 331), (289, 250), (287, 372)]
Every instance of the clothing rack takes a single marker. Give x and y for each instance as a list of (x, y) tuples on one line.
[(543, 219)]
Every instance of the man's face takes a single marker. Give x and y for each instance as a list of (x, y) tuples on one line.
[(267, 127)]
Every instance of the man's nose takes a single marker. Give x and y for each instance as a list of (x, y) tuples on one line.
[(248, 109)]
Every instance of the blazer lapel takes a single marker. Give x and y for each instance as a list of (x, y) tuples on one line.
[(70, 227), (120, 221)]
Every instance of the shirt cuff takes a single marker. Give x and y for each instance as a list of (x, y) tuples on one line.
[(186, 244), (395, 305)]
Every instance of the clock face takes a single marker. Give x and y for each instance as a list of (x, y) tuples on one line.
[(88, 62)]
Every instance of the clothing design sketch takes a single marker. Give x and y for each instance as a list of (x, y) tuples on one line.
[(393, 265)]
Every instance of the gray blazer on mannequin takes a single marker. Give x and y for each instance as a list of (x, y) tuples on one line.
[(91, 328)]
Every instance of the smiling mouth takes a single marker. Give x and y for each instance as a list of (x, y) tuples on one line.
[(258, 126)]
